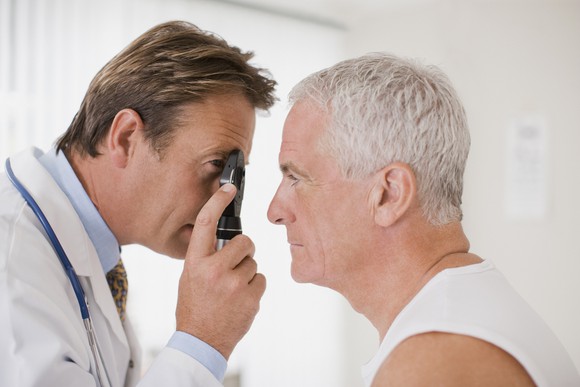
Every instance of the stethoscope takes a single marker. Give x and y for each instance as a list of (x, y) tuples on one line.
[(71, 274)]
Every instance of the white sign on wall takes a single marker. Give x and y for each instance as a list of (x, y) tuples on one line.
[(526, 169)]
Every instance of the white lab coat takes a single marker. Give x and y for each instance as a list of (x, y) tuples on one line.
[(43, 341)]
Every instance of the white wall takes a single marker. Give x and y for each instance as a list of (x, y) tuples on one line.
[(510, 60)]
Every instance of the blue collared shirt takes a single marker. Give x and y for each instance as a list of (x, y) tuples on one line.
[(108, 250)]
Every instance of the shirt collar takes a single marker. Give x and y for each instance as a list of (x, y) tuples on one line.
[(100, 234)]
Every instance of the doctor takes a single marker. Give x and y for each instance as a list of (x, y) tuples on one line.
[(140, 163)]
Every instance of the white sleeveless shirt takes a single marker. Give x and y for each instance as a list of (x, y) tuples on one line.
[(477, 301)]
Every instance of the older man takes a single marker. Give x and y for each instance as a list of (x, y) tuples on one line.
[(372, 156)]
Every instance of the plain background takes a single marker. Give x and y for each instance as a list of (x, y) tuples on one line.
[(515, 65)]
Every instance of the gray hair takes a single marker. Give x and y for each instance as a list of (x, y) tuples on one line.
[(386, 109)]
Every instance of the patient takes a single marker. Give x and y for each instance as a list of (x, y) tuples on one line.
[(378, 144)]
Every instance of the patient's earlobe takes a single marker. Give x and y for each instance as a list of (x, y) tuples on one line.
[(394, 192)]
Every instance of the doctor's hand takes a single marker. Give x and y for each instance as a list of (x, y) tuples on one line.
[(219, 291)]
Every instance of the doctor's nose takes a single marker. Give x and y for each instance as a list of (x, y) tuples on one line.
[(278, 212)]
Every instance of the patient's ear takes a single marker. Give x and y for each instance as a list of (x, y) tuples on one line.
[(394, 192), (124, 134)]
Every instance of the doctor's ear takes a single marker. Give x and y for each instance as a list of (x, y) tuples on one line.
[(394, 192), (125, 131)]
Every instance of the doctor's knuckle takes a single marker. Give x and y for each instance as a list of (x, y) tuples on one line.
[(204, 217)]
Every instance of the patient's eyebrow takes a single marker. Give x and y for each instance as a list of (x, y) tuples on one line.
[(291, 168)]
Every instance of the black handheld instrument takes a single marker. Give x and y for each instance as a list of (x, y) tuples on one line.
[(230, 224)]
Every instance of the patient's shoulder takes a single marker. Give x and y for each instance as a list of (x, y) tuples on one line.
[(452, 360)]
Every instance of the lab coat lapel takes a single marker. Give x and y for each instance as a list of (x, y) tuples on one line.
[(104, 300), (69, 230), (134, 370)]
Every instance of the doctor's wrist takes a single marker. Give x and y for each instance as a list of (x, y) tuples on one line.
[(204, 353)]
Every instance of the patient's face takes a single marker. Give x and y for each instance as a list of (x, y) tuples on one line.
[(324, 213)]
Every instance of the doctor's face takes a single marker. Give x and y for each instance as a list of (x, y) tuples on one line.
[(172, 187), (325, 214)]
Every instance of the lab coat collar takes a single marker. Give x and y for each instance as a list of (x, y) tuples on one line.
[(56, 207), (104, 241)]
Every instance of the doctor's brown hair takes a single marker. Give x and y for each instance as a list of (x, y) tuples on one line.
[(168, 66)]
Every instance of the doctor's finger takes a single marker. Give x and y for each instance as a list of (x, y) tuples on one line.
[(237, 249), (247, 269), (202, 241)]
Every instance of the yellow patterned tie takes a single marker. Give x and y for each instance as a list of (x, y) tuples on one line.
[(117, 279)]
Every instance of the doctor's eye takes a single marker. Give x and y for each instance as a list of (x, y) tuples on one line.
[(220, 164)]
